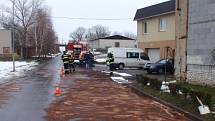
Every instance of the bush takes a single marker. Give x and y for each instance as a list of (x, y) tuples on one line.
[(156, 84), (142, 79), (174, 88)]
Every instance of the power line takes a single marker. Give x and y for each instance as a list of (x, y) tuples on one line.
[(98, 19)]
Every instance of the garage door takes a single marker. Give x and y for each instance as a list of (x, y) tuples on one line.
[(154, 54)]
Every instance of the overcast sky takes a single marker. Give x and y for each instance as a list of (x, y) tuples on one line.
[(107, 9)]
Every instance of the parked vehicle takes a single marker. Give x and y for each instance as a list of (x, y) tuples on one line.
[(129, 57), (161, 66)]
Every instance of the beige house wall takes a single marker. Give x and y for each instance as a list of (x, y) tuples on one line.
[(159, 44), (181, 39), (153, 33), (155, 38), (5, 40)]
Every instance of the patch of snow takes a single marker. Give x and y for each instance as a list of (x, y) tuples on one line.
[(101, 60), (120, 80), (48, 56), (6, 68), (122, 74), (117, 73)]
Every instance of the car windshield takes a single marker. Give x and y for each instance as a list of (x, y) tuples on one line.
[(162, 61)]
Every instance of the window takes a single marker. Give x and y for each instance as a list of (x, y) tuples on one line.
[(145, 27), (162, 24), (144, 56), (132, 55), (117, 44), (6, 49)]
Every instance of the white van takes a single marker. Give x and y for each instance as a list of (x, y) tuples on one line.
[(129, 57)]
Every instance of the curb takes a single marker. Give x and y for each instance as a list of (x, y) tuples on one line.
[(186, 113)]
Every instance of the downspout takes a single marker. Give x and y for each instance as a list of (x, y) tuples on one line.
[(187, 37)]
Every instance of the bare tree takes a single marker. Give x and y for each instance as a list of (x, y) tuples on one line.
[(78, 34), (130, 35), (45, 37), (97, 31), (25, 11), (33, 27), (116, 33)]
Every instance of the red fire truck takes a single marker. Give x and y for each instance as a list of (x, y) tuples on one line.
[(77, 48)]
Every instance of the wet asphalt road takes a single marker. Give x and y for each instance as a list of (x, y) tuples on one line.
[(26, 98)]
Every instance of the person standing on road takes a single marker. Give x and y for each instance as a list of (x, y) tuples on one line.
[(87, 59), (64, 53), (71, 62), (66, 62), (110, 61), (91, 59)]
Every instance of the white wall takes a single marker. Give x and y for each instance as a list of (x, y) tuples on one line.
[(5, 39), (103, 43)]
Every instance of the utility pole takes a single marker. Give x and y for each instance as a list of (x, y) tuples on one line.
[(165, 56), (35, 37), (13, 40)]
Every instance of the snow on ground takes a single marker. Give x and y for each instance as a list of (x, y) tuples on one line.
[(101, 60), (6, 68)]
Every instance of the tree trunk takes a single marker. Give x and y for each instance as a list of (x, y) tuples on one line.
[(21, 52)]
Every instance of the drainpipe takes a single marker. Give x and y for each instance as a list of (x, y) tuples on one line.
[(187, 38)]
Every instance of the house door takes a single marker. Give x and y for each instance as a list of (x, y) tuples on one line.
[(154, 54)]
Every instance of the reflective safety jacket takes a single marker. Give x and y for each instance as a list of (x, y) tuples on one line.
[(110, 61), (71, 59), (65, 59)]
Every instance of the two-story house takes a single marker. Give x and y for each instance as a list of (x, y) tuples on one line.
[(156, 30)]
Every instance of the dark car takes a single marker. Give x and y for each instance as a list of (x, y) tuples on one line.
[(161, 66)]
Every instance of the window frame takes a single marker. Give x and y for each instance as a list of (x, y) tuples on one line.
[(133, 55), (116, 44), (145, 27), (162, 24)]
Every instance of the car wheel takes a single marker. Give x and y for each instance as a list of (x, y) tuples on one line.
[(121, 66), (160, 71)]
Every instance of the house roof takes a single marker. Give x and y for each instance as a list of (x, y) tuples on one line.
[(116, 37), (155, 10), (119, 37)]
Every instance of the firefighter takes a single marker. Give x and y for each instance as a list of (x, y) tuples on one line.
[(81, 58), (110, 61), (71, 62), (87, 59), (65, 62), (64, 53)]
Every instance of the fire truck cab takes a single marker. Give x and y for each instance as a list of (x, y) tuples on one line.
[(77, 48)]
